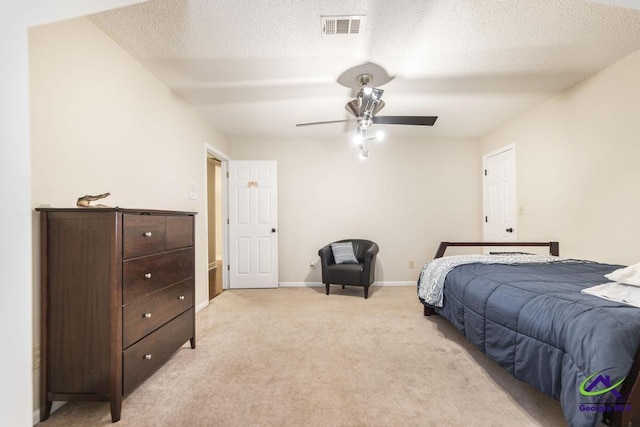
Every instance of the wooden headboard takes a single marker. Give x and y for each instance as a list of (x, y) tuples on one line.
[(554, 247)]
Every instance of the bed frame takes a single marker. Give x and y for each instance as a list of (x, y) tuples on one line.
[(631, 385)]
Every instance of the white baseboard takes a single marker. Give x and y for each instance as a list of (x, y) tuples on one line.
[(408, 283), (320, 284), (54, 407), (300, 284), (201, 306)]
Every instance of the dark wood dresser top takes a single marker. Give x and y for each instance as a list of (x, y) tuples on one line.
[(118, 209)]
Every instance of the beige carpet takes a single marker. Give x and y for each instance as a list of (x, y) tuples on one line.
[(296, 357)]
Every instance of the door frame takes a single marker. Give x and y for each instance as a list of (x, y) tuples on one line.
[(211, 151), (485, 195)]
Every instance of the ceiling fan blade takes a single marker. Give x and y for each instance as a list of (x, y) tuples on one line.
[(325, 123), (405, 120)]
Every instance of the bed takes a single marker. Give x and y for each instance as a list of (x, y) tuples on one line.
[(528, 314)]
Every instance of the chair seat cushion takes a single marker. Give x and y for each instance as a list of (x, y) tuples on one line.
[(343, 253), (346, 274)]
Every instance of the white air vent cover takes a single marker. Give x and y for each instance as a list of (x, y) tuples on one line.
[(332, 25)]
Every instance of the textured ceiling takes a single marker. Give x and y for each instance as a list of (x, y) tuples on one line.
[(256, 68)]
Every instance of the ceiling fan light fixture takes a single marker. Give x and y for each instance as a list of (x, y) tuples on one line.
[(369, 97), (364, 123), (368, 107), (365, 107), (361, 139), (353, 107), (379, 106), (364, 148)]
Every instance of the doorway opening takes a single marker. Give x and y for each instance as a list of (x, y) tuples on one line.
[(217, 241), (214, 225)]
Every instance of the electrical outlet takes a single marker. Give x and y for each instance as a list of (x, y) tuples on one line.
[(36, 358), (312, 264), (412, 264)]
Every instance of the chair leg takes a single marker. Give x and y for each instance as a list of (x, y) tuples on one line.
[(366, 292), (327, 286), (342, 286)]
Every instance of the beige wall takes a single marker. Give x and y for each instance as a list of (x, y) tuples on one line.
[(408, 196), (100, 122), (578, 170)]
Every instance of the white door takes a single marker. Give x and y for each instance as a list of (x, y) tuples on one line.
[(253, 224), (500, 195)]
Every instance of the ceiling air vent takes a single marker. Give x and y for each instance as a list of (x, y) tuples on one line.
[(332, 25)]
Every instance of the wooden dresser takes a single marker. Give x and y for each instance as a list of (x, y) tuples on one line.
[(117, 299)]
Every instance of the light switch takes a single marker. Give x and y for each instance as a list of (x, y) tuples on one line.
[(193, 190)]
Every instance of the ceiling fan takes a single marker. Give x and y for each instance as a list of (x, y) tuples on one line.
[(366, 105)]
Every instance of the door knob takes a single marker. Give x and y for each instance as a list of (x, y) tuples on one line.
[(509, 230), (273, 230)]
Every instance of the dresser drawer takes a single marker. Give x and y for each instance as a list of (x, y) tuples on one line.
[(179, 232), (145, 275), (149, 313), (141, 359), (143, 235)]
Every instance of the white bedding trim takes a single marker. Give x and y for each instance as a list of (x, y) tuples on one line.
[(618, 292), (431, 281)]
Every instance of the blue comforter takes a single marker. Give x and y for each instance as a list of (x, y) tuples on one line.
[(535, 323)]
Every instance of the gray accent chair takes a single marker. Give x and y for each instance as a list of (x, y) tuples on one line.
[(361, 274)]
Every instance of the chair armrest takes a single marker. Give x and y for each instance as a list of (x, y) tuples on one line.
[(326, 253), (326, 258), (368, 270), (372, 251)]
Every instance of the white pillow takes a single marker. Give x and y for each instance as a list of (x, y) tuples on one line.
[(628, 275), (343, 253)]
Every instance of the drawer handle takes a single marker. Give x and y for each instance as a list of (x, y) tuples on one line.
[(148, 234), (147, 275), (147, 315), (147, 356), (181, 297)]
